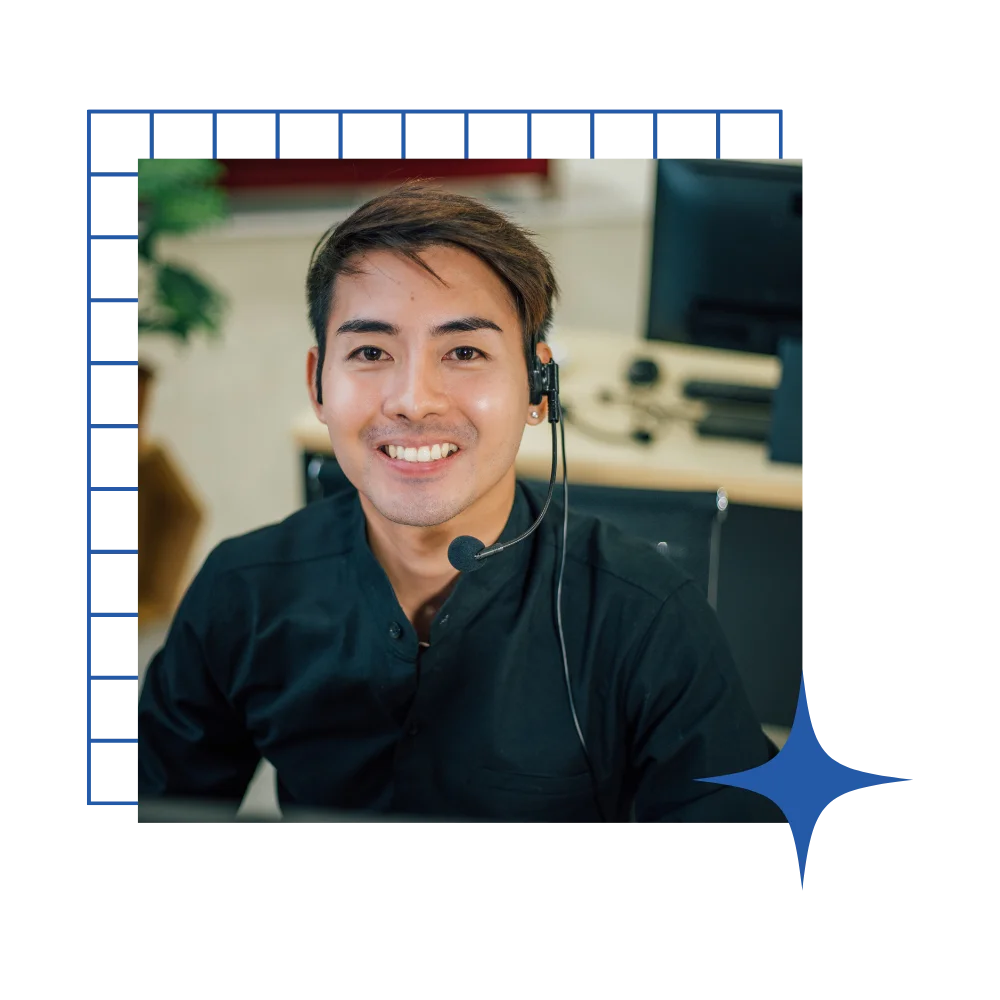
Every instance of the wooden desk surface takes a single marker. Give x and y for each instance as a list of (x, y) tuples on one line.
[(678, 459)]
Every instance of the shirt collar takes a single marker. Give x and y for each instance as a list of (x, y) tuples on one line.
[(496, 571)]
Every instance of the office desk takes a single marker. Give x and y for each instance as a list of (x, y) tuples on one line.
[(759, 595), (678, 459)]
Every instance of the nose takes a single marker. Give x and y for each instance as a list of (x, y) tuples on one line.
[(415, 389)]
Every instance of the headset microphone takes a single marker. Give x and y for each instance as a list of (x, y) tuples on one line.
[(463, 551), (468, 554)]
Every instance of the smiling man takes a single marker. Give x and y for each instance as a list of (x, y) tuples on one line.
[(423, 388), (344, 647)]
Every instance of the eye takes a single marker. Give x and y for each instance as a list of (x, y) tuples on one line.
[(370, 354), (463, 356), (374, 354)]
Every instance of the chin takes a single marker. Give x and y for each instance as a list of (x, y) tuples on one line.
[(426, 512)]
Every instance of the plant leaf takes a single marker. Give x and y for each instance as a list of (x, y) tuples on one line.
[(177, 196), (160, 177), (186, 302)]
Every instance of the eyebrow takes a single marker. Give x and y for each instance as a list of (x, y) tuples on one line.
[(467, 324)]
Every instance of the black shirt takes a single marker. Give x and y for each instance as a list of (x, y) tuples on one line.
[(290, 645)]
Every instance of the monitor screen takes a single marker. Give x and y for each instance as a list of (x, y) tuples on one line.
[(727, 254)]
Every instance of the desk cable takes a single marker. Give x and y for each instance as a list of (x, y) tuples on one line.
[(655, 412)]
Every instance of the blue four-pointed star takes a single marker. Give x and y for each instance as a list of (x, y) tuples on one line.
[(802, 780)]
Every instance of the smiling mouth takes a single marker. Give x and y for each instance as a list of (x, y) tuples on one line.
[(411, 459)]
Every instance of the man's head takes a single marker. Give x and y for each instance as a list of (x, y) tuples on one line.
[(426, 306)]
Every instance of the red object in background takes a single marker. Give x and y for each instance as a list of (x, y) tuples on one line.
[(270, 174)]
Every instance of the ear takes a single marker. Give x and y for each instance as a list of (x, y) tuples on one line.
[(542, 409), (312, 365)]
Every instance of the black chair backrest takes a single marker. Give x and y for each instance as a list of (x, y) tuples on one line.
[(685, 521), (323, 476)]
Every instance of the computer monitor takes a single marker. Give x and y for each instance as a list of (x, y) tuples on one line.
[(727, 254), (729, 271)]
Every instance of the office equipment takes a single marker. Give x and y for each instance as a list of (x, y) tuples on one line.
[(727, 262), (727, 254), (727, 392), (643, 371), (741, 426)]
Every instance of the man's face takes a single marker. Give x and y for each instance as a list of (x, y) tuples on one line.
[(415, 363)]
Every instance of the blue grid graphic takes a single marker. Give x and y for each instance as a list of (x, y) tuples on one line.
[(121, 151), (403, 113), (93, 550)]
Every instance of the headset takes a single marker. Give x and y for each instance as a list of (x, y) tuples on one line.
[(467, 554)]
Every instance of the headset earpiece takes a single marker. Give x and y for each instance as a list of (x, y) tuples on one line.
[(543, 382), (536, 381)]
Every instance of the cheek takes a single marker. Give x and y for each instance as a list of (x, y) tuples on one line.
[(348, 406), (497, 412)]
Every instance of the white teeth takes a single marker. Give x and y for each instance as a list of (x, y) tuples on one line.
[(424, 453)]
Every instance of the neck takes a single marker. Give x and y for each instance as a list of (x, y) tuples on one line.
[(415, 559)]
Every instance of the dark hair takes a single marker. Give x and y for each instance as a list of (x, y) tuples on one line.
[(416, 215)]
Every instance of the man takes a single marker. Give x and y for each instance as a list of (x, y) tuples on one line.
[(344, 647)]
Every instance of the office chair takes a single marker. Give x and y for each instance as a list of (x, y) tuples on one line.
[(323, 476), (686, 527)]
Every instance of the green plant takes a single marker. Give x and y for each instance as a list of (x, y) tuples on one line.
[(177, 196)]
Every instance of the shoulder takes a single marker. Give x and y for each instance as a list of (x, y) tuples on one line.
[(320, 530), (626, 592), (667, 631), (625, 562), (615, 560), (268, 567)]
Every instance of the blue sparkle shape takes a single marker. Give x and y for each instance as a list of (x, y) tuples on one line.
[(802, 780)]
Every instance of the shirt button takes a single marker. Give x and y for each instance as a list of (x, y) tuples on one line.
[(413, 730), (444, 621), (394, 630)]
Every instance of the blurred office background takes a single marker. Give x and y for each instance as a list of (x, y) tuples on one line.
[(225, 408)]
